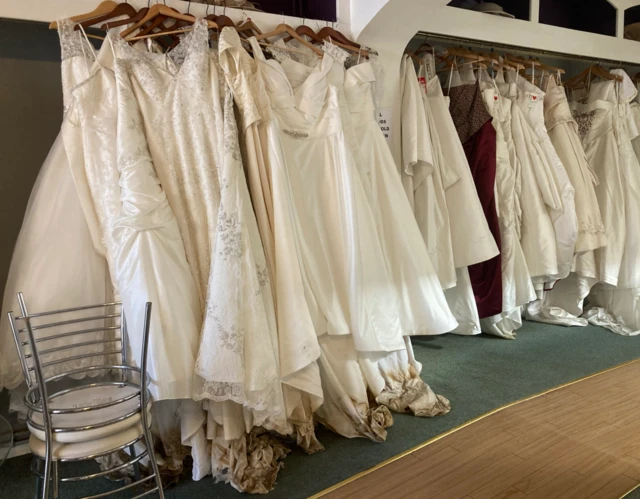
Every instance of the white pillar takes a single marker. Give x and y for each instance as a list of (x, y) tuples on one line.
[(534, 11), (619, 22)]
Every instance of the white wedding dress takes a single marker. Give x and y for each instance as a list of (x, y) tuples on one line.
[(54, 263), (561, 202), (199, 165), (517, 289), (429, 175), (291, 113), (536, 190)]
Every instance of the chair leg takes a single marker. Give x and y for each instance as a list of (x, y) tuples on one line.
[(37, 464), (152, 460), (56, 479), (46, 479), (136, 466)]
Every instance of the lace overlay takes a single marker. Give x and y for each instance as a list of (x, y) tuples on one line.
[(590, 228), (585, 122), (72, 41), (240, 306), (337, 53)]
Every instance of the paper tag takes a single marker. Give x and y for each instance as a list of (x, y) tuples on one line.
[(384, 121)]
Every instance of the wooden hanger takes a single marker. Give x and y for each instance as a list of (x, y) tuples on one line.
[(163, 10), (588, 74), (122, 9), (525, 62), (114, 24), (249, 26), (465, 54), (327, 32), (282, 29), (102, 9), (304, 30), (553, 69)]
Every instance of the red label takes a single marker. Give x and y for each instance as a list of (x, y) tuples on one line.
[(423, 81)]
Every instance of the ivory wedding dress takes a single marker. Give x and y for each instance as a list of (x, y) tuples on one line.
[(535, 191), (197, 167), (517, 289), (293, 112), (431, 176), (54, 262), (561, 202)]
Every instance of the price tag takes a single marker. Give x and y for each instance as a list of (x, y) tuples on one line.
[(384, 121)]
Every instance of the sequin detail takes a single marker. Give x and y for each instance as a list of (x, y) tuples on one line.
[(296, 135), (585, 122)]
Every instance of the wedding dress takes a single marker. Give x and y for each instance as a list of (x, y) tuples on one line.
[(563, 304), (560, 200), (393, 378), (423, 307), (535, 190), (54, 263), (478, 136), (296, 113), (471, 238), (199, 165), (563, 132), (423, 160), (517, 289)]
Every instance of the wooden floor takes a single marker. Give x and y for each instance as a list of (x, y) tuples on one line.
[(581, 441)]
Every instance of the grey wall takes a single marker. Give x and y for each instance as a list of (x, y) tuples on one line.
[(30, 117)]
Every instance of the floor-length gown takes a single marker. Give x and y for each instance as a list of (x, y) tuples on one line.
[(423, 306), (471, 238), (517, 289), (478, 136), (563, 132), (534, 192), (423, 159), (200, 169), (54, 262), (392, 378), (296, 113), (141, 240), (561, 203)]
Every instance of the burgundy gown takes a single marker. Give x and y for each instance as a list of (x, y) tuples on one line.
[(478, 137)]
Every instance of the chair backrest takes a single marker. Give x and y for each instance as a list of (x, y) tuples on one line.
[(75, 343), (72, 339)]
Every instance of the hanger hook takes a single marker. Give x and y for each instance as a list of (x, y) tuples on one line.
[(224, 11), (148, 4), (206, 13), (188, 6)]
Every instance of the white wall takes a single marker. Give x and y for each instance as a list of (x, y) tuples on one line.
[(396, 22)]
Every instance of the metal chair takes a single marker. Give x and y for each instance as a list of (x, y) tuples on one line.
[(97, 416)]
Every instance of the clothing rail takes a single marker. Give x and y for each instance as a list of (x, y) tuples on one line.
[(521, 50)]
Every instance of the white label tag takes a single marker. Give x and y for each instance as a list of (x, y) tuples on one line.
[(384, 121)]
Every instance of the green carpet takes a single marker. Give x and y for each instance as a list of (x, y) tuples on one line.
[(477, 374)]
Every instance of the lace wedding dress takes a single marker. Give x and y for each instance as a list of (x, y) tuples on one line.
[(193, 143)]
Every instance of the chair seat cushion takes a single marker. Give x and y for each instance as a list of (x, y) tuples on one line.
[(90, 396), (86, 449)]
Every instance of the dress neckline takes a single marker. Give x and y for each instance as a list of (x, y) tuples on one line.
[(319, 72), (187, 47)]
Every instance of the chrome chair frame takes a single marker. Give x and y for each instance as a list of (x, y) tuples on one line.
[(37, 398)]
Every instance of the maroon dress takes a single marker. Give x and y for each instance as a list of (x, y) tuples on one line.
[(478, 137)]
